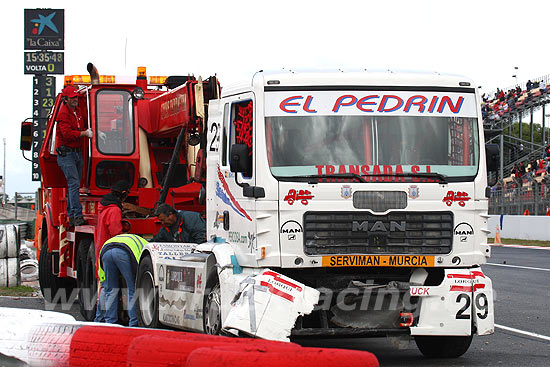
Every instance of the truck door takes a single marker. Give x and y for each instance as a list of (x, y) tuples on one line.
[(230, 204)]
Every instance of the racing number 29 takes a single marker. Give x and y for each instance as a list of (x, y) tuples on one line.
[(481, 304)]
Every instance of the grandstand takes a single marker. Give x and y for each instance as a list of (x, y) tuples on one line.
[(523, 181)]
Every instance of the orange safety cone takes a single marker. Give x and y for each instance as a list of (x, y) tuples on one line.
[(497, 237), (526, 212)]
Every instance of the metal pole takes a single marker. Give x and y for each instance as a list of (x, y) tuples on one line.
[(15, 204), (501, 159), (4, 184), (531, 129), (520, 128), (543, 129)]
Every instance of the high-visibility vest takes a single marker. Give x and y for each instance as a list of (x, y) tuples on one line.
[(131, 242)]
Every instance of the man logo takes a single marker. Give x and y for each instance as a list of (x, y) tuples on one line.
[(464, 231), (291, 228), (378, 226)]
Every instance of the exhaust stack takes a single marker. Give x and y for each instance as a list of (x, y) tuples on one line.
[(94, 75)]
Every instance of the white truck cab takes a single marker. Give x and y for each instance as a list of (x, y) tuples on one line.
[(341, 204)]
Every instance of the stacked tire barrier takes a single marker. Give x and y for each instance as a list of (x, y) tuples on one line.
[(9, 256), (71, 343), (28, 264)]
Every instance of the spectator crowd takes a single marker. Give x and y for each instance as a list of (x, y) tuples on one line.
[(514, 100)]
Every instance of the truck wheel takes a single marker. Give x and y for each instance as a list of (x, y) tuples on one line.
[(53, 288), (147, 296), (86, 279), (212, 309), (443, 346)]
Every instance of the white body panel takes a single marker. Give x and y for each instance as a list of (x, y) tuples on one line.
[(448, 309)]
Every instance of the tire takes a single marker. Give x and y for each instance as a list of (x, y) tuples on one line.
[(443, 346), (52, 287), (29, 270), (3, 243), (212, 311), (147, 295), (86, 279), (12, 245), (3, 272), (14, 274)]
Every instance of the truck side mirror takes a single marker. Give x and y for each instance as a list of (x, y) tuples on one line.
[(26, 135), (492, 153), (240, 160)]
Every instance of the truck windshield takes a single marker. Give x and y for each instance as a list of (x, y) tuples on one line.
[(371, 145), (115, 122)]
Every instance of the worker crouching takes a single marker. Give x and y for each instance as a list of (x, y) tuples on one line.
[(119, 256)]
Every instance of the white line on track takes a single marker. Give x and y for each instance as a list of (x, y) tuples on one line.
[(528, 333), (521, 246), (518, 267)]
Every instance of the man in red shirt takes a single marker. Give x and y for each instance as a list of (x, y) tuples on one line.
[(109, 224), (109, 221), (69, 131)]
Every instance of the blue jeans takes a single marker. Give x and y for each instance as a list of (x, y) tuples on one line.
[(71, 165), (116, 262), (100, 311)]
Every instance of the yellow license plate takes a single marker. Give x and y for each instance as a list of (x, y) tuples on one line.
[(378, 260)]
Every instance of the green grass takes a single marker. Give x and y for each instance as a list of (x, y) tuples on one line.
[(512, 241), (20, 291)]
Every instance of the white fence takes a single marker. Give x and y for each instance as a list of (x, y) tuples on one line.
[(521, 227)]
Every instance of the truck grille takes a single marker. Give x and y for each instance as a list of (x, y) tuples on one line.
[(330, 233)]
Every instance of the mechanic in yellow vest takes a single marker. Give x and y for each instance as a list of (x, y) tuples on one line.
[(119, 256)]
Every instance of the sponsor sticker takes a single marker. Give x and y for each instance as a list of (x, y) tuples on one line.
[(378, 260), (365, 103), (459, 196), (180, 278), (302, 195)]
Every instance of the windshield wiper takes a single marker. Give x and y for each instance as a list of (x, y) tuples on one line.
[(441, 178), (312, 179)]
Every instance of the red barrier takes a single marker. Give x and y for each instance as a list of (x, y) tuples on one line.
[(108, 345), (118, 346), (49, 344), (162, 351), (243, 356)]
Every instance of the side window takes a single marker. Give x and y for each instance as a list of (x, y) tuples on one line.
[(226, 116), (241, 124), (115, 122)]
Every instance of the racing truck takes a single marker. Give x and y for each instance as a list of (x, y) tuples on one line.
[(337, 204)]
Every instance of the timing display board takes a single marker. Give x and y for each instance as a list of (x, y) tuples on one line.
[(43, 100), (44, 62)]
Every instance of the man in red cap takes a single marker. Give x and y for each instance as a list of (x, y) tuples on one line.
[(70, 130)]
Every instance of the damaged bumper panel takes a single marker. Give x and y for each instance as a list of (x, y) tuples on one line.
[(463, 299), (267, 305)]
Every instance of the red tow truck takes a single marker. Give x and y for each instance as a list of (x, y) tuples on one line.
[(147, 131)]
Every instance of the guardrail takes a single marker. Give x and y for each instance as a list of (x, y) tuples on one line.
[(533, 197)]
